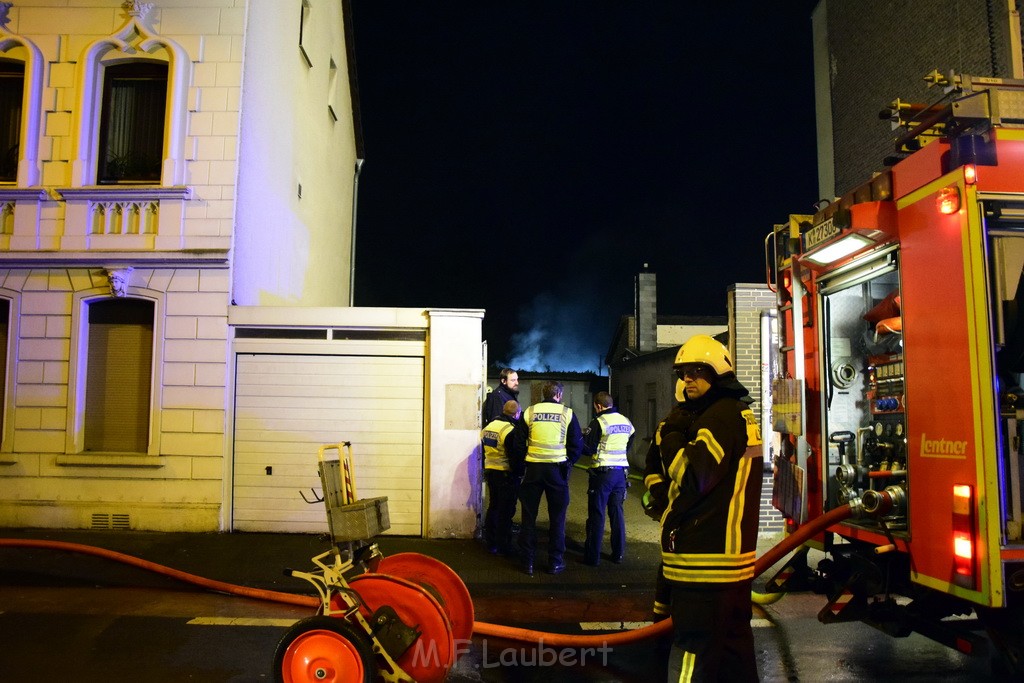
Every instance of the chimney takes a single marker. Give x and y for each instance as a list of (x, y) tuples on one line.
[(646, 311)]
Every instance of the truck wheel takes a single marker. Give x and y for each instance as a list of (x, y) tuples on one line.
[(323, 649)]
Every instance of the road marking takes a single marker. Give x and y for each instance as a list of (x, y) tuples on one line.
[(633, 625), (239, 621), (613, 625)]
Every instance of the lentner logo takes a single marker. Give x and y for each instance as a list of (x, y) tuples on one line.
[(942, 448)]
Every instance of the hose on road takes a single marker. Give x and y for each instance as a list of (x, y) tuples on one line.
[(480, 628)]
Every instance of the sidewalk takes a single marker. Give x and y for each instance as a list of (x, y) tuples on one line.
[(258, 560)]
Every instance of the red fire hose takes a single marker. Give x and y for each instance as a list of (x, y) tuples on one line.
[(479, 627)]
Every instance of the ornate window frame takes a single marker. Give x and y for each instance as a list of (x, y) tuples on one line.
[(119, 285), (134, 40), (29, 172)]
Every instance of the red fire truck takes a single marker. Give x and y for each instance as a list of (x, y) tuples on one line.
[(897, 389)]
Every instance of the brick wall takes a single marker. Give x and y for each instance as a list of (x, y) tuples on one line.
[(747, 303), (878, 50)]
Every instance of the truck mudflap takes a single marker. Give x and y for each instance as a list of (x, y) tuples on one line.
[(794, 577), (896, 618)]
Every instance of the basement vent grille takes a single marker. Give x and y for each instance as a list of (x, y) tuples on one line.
[(102, 520)]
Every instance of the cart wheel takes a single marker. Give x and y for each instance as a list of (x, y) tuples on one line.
[(440, 581), (433, 652), (324, 649)]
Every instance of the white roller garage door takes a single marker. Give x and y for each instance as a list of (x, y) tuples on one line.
[(287, 406)]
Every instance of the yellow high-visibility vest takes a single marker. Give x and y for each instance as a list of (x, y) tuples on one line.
[(492, 437), (615, 432), (548, 423)]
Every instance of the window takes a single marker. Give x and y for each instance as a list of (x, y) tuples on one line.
[(131, 133), (653, 417), (12, 88), (5, 322), (118, 375)]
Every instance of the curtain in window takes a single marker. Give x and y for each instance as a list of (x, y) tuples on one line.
[(132, 123), (12, 85), (5, 322)]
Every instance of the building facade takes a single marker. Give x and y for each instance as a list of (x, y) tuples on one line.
[(643, 382), (176, 230), (868, 53)]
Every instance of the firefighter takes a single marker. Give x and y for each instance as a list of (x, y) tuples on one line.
[(502, 472), (607, 439), (705, 470), (554, 443)]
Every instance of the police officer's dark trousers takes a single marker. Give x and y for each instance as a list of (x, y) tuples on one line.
[(712, 637), (550, 480), (606, 491), (502, 494)]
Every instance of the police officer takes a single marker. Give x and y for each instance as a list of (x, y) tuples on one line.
[(554, 444), (705, 469), (502, 472), (607, 439)]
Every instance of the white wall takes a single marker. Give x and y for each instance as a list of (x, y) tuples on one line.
[(453, 429), (454, 377), (292, 250)]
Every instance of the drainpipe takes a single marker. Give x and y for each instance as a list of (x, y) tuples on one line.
[(352, 254)]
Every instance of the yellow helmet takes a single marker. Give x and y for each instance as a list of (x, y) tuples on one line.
[(705, 350)]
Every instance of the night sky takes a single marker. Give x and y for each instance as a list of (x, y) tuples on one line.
[(528, 158)]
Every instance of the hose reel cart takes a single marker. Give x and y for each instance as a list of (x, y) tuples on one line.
[(392, 619)]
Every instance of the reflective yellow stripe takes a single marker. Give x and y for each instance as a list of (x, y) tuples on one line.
[(734, 527), (678, 466), (708, 559), (708, 567), (688, 664), (707, 576), (713, 446)]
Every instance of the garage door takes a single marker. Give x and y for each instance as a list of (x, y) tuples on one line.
[(287, 406)]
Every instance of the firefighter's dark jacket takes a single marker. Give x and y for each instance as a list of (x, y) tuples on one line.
[(705, 467)]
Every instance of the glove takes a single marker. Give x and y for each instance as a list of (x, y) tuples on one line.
[(656, 500), (671, 444), (678, 420)]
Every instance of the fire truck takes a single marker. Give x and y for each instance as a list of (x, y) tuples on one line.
[(896, 386)]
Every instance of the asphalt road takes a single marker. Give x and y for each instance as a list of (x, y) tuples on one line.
[(109, 634)]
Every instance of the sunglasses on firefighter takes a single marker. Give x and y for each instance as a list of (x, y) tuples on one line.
[(695, 371)]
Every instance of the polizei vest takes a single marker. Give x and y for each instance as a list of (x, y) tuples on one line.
[(615, 432), (548, 423), (493, 440)]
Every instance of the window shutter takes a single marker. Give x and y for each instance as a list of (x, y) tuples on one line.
[(118, 376)]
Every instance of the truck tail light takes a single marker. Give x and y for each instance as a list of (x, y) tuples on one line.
[(948, 200), (970, 174), (963, 536)]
